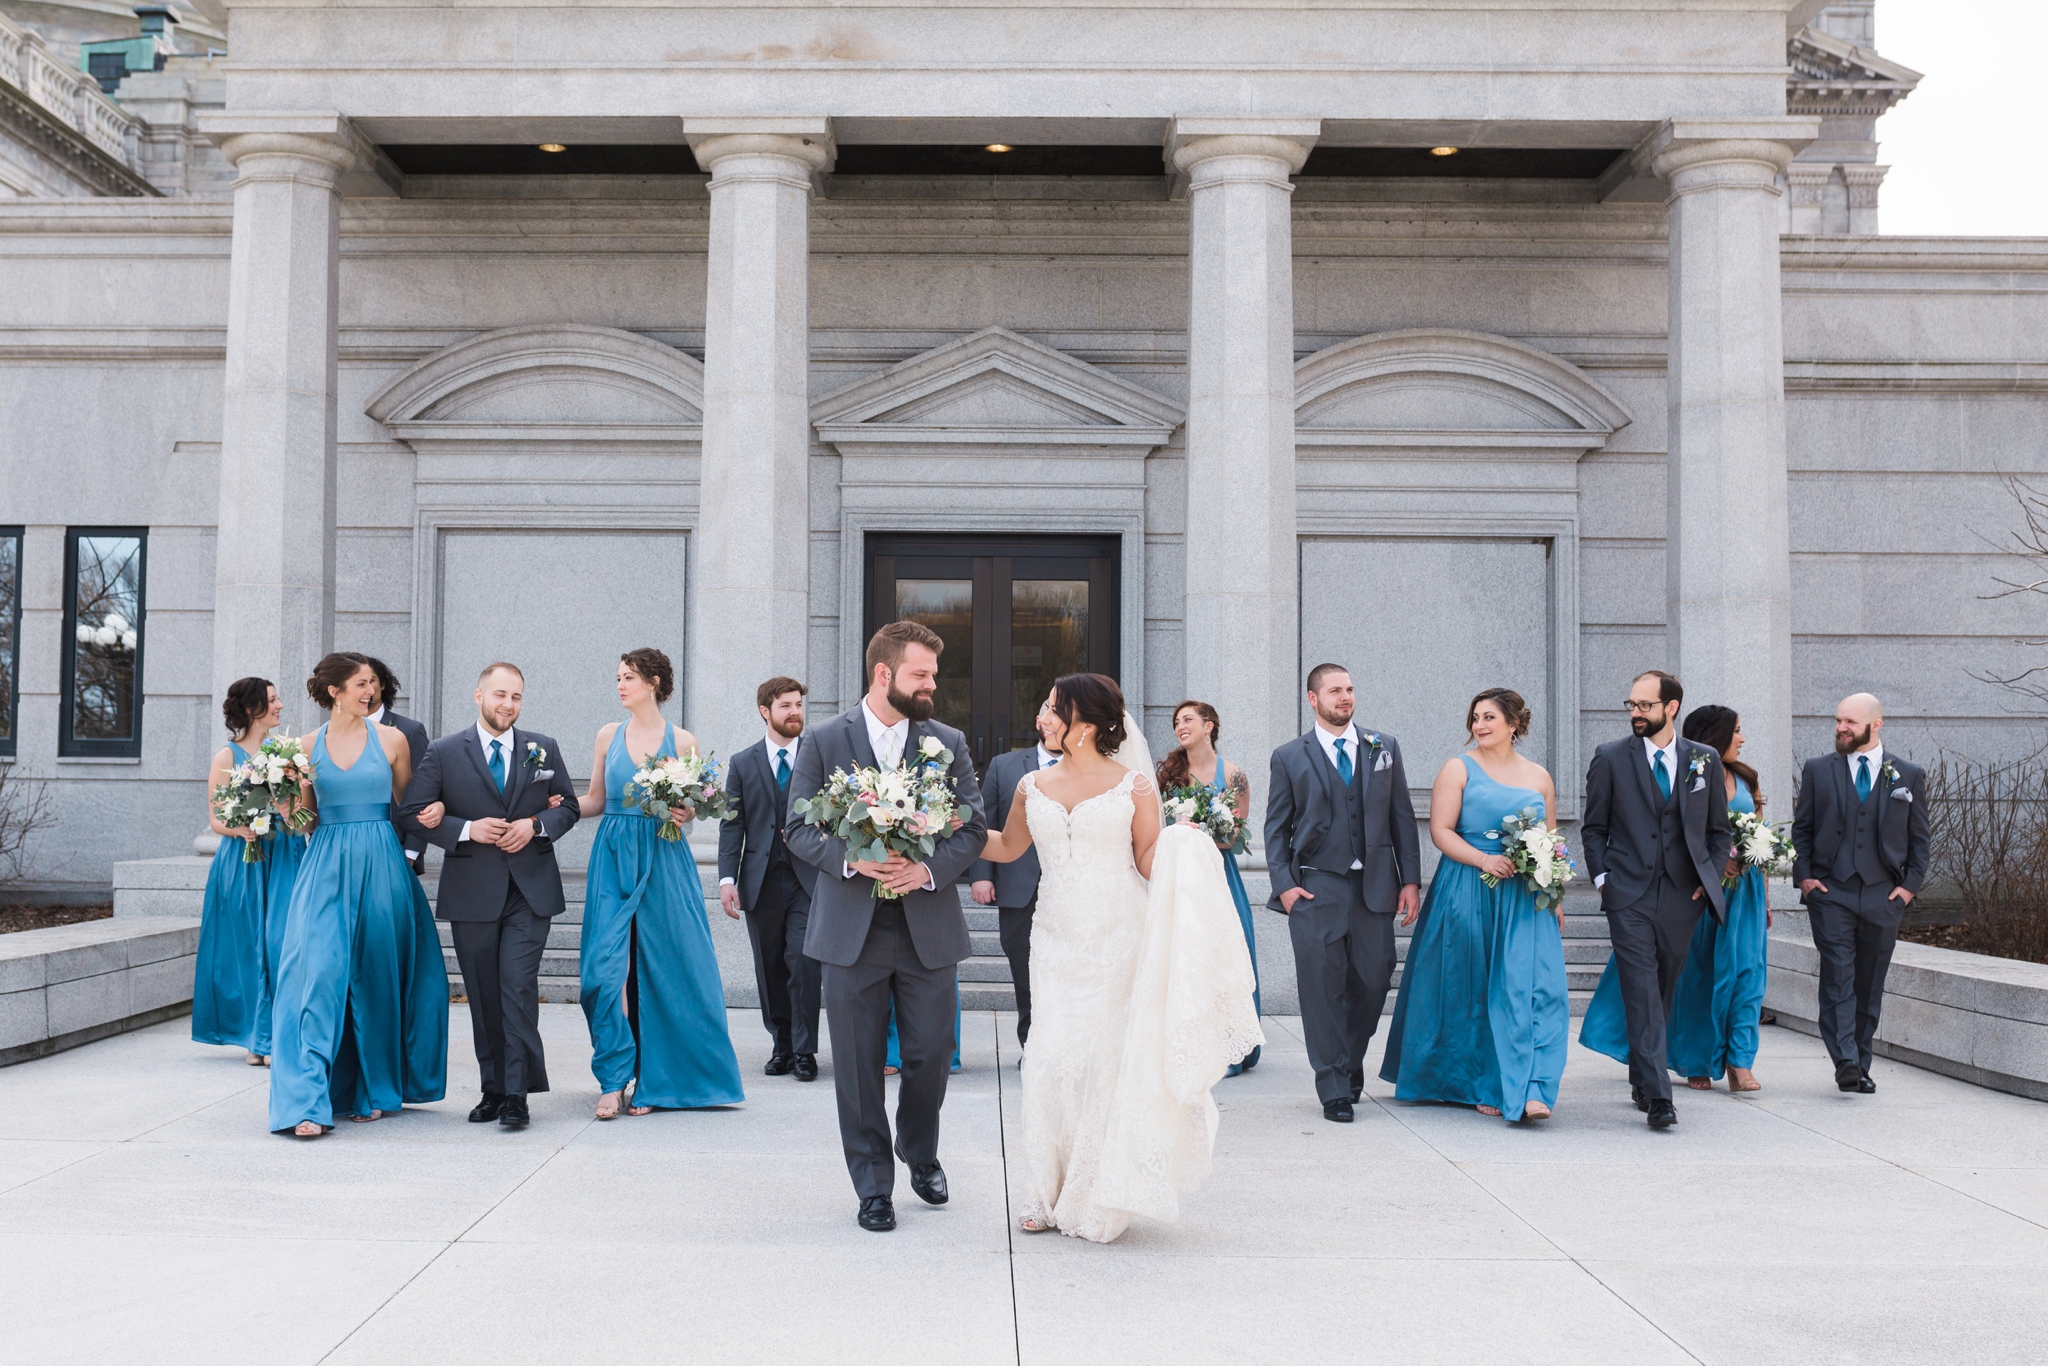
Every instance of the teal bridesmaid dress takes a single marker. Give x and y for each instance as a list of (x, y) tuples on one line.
[(1484, 1014), (895, 1055), (1232, 876), (241, 934), (361, 1019), (651, 989), (1719, 996)]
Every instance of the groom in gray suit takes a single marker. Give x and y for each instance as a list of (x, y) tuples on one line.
[(905, 948), (1344, 856), (500, 884), (1657, 840)]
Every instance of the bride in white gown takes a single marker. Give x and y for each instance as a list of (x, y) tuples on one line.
[(1141, 994)]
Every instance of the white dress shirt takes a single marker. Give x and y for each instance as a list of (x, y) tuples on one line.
[(1650, 752), (1329, 739), (775, 745), (1046, 758), (483, 733), (888, 743), (1876, 756)]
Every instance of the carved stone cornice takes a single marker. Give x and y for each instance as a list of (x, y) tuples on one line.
[(28, 123), (1835, 78)]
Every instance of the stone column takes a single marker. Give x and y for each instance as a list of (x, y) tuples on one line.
[(751, 600), (1240, 588), (273, 611), (1808, 182), (1728, 578), (1863, 184)]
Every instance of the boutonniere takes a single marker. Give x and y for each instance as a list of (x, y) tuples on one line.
[(536, 759), (1697, 766), (1376, 750), (932, 751), (1888, 773)]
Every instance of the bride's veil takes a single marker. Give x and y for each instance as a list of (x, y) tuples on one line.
[(1134, 753)]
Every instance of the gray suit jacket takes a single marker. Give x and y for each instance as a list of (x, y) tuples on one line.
[(1623, 813), (415, 740), (1827, 805), (1016, 883), (474, 877), (1304, 801), (760, 808), (842, 908)]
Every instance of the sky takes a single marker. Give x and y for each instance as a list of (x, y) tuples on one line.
[(1966, 148)]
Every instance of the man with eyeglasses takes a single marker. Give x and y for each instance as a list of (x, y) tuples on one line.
[(1657, 836)]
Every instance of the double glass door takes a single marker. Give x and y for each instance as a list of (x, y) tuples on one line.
[(1015, 614)]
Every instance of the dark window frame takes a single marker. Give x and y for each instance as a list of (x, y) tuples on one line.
[(67, 745), (11, 705)]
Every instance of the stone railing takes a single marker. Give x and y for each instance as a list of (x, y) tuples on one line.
[(71, 97)]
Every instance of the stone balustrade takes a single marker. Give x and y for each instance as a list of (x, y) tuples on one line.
[(71, 97)]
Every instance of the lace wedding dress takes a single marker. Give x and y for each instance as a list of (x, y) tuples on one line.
[(1141, 998)]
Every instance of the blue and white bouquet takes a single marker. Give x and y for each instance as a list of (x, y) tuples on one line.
[(877, 812), (1538, 853), (668, 788), (1202, 806), (1759, 845)]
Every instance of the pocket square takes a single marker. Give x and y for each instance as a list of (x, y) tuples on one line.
[(544, 774), (1698, 785), (1385, 760), (1900, 794)]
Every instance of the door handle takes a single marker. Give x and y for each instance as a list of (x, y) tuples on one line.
[(981, 749)]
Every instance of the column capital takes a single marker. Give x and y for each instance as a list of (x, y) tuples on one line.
[(1192, 139), (323, 147), (1701, 153), (804, 138)]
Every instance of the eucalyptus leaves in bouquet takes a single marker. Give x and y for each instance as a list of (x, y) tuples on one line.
[(1211, 811), (667, 789), (876, 812), (1539, 855), (243, 803)]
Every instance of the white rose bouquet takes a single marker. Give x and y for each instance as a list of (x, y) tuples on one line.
[(1759, 845), (665, 788), (877, 812), (287, 773), (1202, 806), (1538, 854), (243, 803)]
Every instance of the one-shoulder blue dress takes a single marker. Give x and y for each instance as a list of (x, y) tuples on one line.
[(361, 1020), (1719, 996), (241, 934), (1484, 1015), (651, 989)]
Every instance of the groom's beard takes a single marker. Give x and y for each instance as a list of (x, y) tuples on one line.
[(916, 706)]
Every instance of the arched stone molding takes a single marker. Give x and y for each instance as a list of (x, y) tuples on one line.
[(552, 385), (1443, 388)]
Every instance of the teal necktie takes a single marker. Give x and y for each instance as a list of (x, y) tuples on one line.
[(782, 769), (1344, 769), (1663, 775), (498, 764), (1862, 777)]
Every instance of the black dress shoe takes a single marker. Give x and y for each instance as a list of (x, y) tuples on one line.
[(512, 1115), (806, 1067), (779, 1064), (1848, 1077), (1337, 1111), (1635, 1093), (929, 1181), (877, 1214), (1865, 1086), (487, 1109), (1663, 1114)]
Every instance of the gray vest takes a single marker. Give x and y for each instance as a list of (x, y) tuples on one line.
[(1671, 846), (1347, 843), (1857, 855)]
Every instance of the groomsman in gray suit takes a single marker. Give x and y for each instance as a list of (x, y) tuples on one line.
[(500, 883), (414, 843), (1657, 839), (905, 948), (1012, 888), (1344, 856), (758, 876), (1861, 839)]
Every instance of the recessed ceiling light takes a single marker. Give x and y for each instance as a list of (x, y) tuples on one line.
[(553, 147), (1443, 151), (997, 147)]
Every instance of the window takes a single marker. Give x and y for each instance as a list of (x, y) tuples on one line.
[(102, 700), (10, 635)]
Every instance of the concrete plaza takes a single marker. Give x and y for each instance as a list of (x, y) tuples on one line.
[(145, 1215)]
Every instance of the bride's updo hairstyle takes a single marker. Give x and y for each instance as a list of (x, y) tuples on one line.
[(332, 672), (1096, 700), (1511, 705)]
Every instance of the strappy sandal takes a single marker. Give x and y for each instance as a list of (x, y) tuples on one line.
[(1535, 1109), (611, 1110), (1030, 1225), (370, 1118), (1737, 1085), (1699, 1083), (257, 1060), (309, 1129), (1488, 1111)]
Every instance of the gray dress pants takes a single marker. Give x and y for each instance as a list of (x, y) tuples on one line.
[(1651, 939), (1343, 964), (500, 961), (1855, 928)]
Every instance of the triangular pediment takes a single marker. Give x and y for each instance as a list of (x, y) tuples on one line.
[(996, 387), (1831, 75)]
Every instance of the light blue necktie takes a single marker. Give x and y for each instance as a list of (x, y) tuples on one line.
[(782, 769), (1663, 775), (1862, 777), (498, 764), (1344, 769)]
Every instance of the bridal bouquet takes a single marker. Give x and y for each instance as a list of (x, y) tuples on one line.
[(1201, 805), (243, 803), (1758, 845), (878, 812), (1538, 854), (664, 788), (286, 773)]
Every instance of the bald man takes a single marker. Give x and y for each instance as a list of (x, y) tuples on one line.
[(1861, 835)]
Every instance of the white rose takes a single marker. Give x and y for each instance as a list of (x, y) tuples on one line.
[(930, 747)]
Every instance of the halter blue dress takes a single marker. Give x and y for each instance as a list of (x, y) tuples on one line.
[(1484, 1015), (651, 989), (241, 934), (1232, 876), (361, 1020), (1719, 994)]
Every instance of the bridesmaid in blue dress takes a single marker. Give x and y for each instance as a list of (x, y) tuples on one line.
[(1484, 1015), (1719, 996), (241, 928), (651, 989), (361, 1020), (1198, 727)]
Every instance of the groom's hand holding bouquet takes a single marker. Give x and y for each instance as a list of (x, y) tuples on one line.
[(890, 820)]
